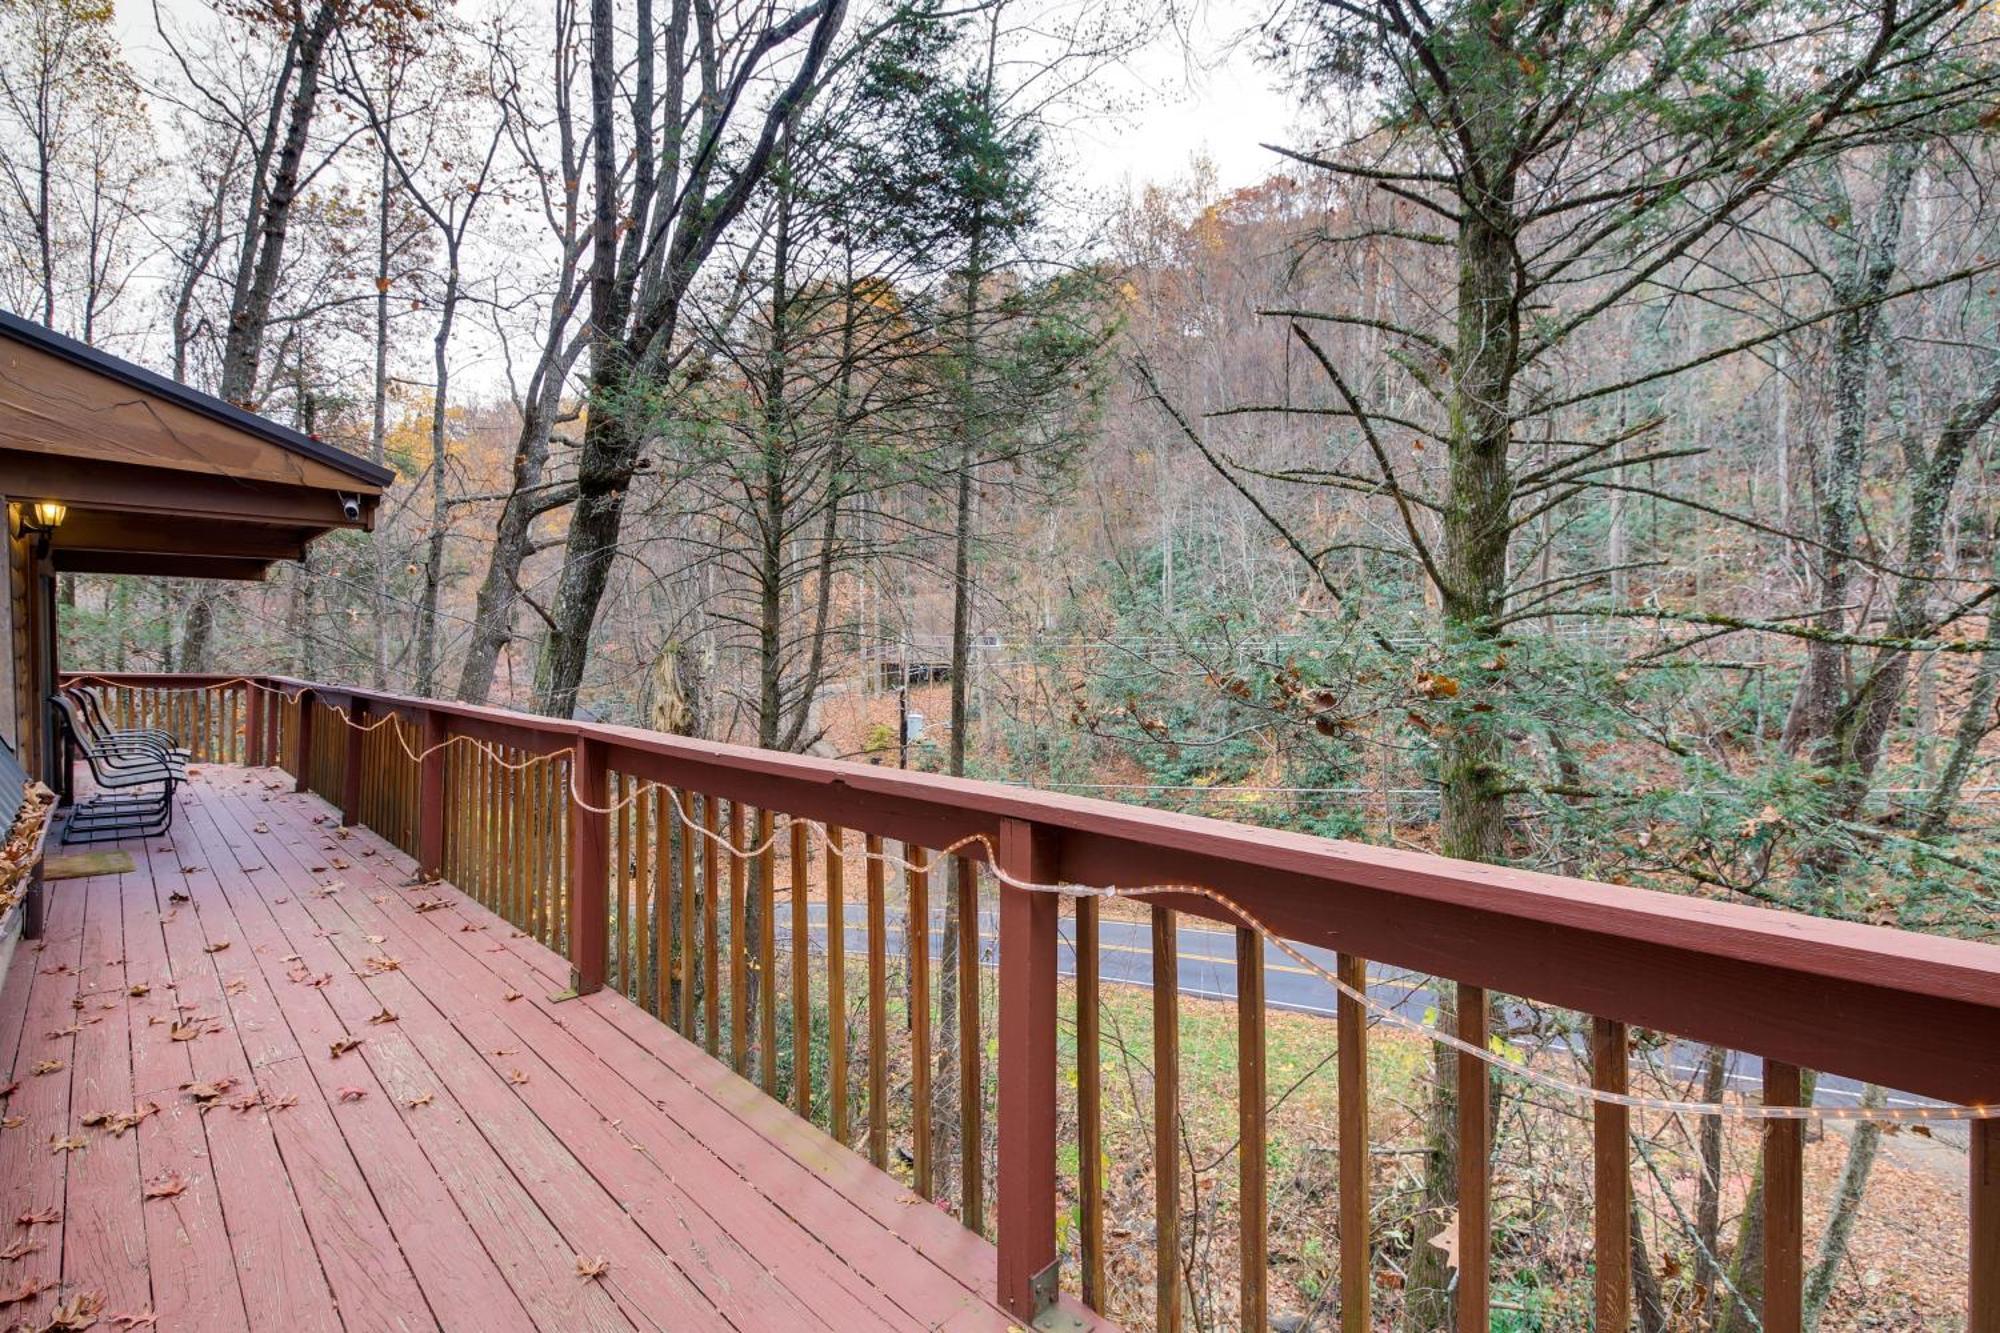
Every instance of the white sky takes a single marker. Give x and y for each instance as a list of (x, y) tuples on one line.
[(1190, 93)]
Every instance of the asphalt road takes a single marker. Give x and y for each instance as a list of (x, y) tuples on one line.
[(1208, 971)]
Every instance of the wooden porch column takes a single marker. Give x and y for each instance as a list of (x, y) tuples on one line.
[(589, 867), (350, 784), (430, 797), (1027, 1167), (305, 747), (253, 727)]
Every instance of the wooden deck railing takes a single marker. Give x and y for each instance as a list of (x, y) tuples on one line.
[(674, 900)]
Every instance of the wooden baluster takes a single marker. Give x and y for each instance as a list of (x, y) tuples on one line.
[(623, 855), (1089, 1105), (1027, 1113), (1784, 1203), (1166, 1121), (642, 899), (971, 1079), (1474, 1174), (801, 977), (663, 899), (711, 976), (684, 827), (917, 949), (1983, 1291), (589, 868), (739, 948), (767, 954), (878, 1005), (1610, 1072), (433, 781), (1251, 1093), (836, 980), (1356, 1253)]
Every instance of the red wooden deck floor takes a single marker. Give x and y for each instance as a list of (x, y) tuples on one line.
[(456, 1169)]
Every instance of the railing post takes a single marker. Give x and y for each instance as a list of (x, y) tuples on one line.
[(300, 779), (1983, 1297), (1027, 1168), (253, 726), (430, 797), (350, 778), (589, 866)]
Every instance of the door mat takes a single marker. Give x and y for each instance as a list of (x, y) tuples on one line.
[(81, 865)]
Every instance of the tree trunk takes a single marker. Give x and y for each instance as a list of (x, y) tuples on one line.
[(1847, 1198), (257, 280), (1477, 530)]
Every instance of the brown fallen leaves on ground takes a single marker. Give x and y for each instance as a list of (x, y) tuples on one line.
[(592, 1265), (120, 1121), (387, 1015), (351, 1094), (80, 1311), (45, 1067), (25, 1290), (208, 1093), (422, 1099), (20, 1249), (166, 1185), (343, 1046)]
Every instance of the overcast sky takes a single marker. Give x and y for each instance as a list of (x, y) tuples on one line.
[(1192, 92)]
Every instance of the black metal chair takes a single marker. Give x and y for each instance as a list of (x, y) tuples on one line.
[(93, 715), (139, 747), (121, 809)]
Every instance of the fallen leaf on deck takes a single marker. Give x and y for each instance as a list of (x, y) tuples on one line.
[(340, 863), (383, 963), (192, 870), (378, 939), (511, 995), (66, 1145), (19, 1248), (144, 1319), (25, 1290), (166, 1185), (216, 947), (431, 905), (75, 1314), (45, 1067), (260, 828), (13, 1122), (138, 988), (58, 1034), (47, 1217), (386, 1016), (120, 1121), (235, 986), (344, 1045), (210, 1091), (351, 1094), (178, 897), (516, 1077), (595, 1265), (470, 926), (10, 1089), (424, 1100), (185, 1031)]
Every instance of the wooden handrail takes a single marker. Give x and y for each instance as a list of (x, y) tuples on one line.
[(1914, 1012)]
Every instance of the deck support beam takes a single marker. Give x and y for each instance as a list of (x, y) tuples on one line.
[(430, 797), (1027, 1167), (589, 866), (300, 780), (350, 785)]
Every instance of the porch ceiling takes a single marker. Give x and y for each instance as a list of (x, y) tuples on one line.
[(161, 479)]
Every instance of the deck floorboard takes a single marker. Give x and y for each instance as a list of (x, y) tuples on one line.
[(450, 1169)]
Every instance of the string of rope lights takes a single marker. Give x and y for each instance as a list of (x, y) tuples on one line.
[(817, 833)]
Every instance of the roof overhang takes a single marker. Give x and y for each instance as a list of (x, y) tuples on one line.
[(159, 478)]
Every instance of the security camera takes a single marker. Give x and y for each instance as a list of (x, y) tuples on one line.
[(350, 507)]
